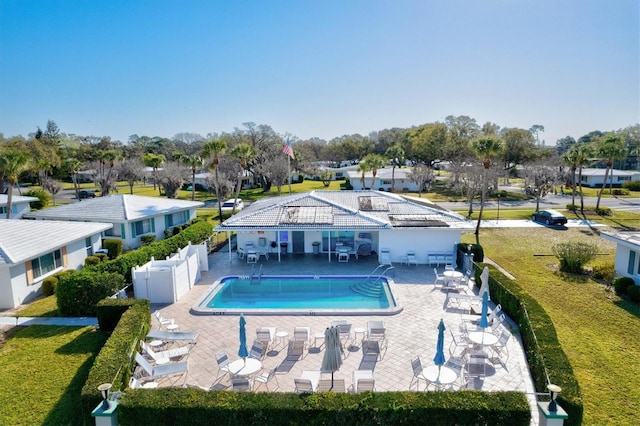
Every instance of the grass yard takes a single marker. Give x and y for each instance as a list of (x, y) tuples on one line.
[(596, 328), (43, 371)]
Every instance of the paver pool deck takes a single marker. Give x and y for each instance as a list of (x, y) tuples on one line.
[(410, 333)]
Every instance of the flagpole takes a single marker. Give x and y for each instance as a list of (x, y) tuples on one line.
[(289, 172)]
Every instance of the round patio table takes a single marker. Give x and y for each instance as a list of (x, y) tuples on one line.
[(483, 338), (446, 376), (245, 367)]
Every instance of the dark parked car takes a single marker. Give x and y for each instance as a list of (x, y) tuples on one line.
[(549, 217), (87, 193)]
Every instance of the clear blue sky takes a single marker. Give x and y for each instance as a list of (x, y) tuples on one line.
[(317, 68)]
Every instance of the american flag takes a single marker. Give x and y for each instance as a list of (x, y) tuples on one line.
[(288, 150)]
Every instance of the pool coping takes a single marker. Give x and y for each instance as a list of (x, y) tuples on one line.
[(199, 309)]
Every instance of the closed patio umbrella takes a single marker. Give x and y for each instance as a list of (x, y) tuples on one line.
[(484, 322), (332, 359), (484, 278), (439, 359), (242, 351)]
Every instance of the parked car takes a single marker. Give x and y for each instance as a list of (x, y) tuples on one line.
[(549, 217), (87, 193), (227, 206)]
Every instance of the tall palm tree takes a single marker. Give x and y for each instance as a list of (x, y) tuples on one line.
[(195, 162), (375, 162), (12, 163), (245, 153), (611, 148), (74, 165), (363, 167), (396, 154), (214, 148), (571, 160), (485, 148), (154, 161), (583, 153)]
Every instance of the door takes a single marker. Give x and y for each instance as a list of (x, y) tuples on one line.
[(297, 239)]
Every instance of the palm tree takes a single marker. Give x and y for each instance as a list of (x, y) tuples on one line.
[(195, 162), (583, 153), (245, 153), (375, 162), (74, 165), (611, 148), (154, 161), (485, 148), (12, 163), (363, 167), (396, 154), (571, 160), (215, 147)]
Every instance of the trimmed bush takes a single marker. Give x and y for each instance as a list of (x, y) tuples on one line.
[(49, 285), (79, 293), (633, 185), (633, 291), (620, 191), (113, 246), (603, 211), (147, 239), (574, 255), (92, 260), (620, 284), (103, 257)]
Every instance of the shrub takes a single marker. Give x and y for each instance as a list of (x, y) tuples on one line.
[(574, 255), (633, 185), (620, 284), (49, 285), (79, 293), (571, 207), (147, 239), (92, 260), (603, 211), (620, 191), (604, 271), (103, 257), (633, 292), (42, 196), (113, 246)]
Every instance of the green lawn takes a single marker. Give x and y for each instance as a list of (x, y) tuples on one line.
[(596, 328)]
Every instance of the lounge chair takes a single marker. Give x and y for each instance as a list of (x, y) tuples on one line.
[(172, 370), (266, 336), (344, 330), (385, 256), (373, 349), (162, 320), (307, 382), (363, 381), (171, 336), (174, 354), (257, 350), (134, 383), (295, 351), (303, 334), (240, 384)]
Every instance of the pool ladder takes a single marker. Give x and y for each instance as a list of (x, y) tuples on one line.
[(252, 276), (372, 288)]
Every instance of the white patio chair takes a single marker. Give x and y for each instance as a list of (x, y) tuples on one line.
[(161, 320), (411, 258), (265, 378), (418, 374), (363, 381), (257, 350), (500, 349), (385, 256), (240, 384), (222, 359), (307, 382), (266, 336), (173, 370), (458, 341), (302, 334), (439, 278), (376, 330)]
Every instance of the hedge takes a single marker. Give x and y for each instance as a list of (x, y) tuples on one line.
[(193, 406), (542, 348), (77, 294), (114, 364), (196, 233)]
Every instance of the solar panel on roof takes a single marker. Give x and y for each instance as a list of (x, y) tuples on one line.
[(307, 215)]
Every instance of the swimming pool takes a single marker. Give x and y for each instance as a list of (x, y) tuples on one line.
[(300, 295)]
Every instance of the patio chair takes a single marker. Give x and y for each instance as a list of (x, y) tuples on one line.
[(344, 330), (303, 334), (477, 365), (161, 320), (439, 278), (174, 354), (222, 359), (265, 378), (363, 381), (457, 365), (373, 349), (411, 258), (385, 256), (495, 313), (376, 330), (266, 336), (458, 341), (295, 351), (307, 382), (500, 349), (496, 325), (134, 383), (173, 370), (418, 374), (257, 350), (240, 384)]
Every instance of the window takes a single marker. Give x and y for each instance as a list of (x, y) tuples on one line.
[(47, 263), (14, 209), (337, 238), (89, 245), (632, 263), (622, 178), (385, 181), (176, 219), (141, 227)]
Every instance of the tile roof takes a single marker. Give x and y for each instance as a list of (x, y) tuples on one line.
[(115, 208), (21, 240), (342, 210)]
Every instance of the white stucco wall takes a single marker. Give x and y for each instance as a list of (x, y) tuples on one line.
[(422, 241)]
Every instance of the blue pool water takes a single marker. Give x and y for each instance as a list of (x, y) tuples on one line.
[(359, 294)]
